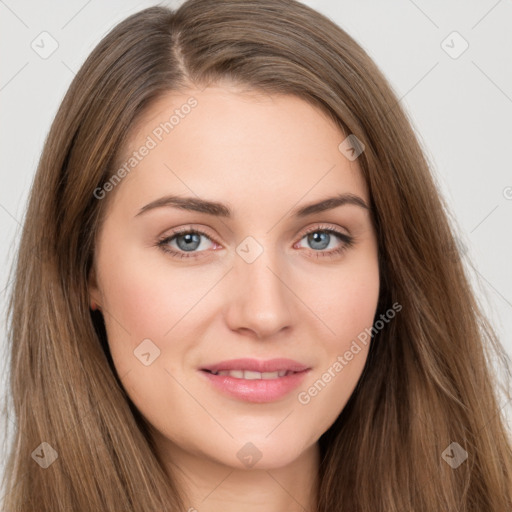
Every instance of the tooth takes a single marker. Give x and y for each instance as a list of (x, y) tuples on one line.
[(251, 375)]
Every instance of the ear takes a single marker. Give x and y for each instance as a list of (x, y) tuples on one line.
[(94, 291)]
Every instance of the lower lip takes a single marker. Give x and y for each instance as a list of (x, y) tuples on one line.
[(256, 390)]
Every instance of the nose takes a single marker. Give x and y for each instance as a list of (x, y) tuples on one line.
[(260, 299)]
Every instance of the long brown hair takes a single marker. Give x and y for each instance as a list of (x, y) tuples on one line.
[(428, 380)]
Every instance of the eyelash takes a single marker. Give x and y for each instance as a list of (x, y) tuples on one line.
[(347, 240)]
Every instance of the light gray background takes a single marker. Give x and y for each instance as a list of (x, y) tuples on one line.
[(460, 107)]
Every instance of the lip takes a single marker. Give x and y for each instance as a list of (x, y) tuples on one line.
[(256, 390)]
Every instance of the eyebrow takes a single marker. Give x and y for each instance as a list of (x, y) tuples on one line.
[(222, 210)]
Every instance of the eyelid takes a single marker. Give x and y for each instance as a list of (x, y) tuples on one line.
[(322, 226), (187, 229)]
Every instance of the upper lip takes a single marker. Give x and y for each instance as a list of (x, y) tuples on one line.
[(255, 365)]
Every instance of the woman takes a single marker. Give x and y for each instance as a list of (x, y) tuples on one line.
[(183, 337)]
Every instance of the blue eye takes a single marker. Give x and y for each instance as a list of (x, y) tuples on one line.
[(320, 238), (188, 241)]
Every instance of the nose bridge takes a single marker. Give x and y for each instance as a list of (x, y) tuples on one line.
[(260, 300)]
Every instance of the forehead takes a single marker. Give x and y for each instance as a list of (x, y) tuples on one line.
[(224, 140)]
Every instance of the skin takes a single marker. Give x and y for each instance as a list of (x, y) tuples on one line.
[(263, 156)]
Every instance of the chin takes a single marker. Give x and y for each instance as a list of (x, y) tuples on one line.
[(262, 453)]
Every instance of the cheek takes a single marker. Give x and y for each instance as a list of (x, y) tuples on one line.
[(346, 302), (143, 301), (147, 299)]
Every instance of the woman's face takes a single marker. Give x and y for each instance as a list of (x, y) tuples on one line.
[(261, 283)]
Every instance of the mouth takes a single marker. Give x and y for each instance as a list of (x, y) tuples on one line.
[(253, 375), (252, 369), (256, 380)]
